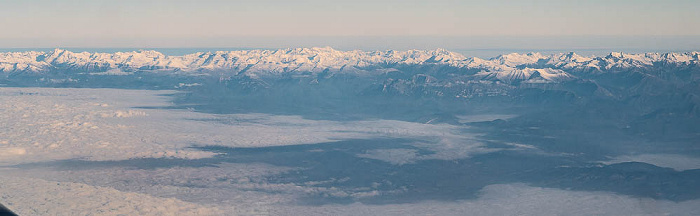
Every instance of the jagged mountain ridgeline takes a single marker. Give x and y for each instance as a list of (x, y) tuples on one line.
[(561, 109), (659, 92), (642, 78), (266, 63)]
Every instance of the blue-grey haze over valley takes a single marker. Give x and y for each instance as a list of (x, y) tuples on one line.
[(384, 107)]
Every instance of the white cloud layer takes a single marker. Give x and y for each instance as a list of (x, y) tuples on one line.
[(40, 124), (241, 189), (514, 199), (94, 124), (29, 196), (102, 124)]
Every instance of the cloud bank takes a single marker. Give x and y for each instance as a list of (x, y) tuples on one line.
[(39, 124)]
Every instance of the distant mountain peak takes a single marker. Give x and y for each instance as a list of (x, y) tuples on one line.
[(319, 59)]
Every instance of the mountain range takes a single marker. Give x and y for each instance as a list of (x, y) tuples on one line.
[(311, 61), (643, 98)]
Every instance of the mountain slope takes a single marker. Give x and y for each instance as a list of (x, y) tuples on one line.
[(309, 61)]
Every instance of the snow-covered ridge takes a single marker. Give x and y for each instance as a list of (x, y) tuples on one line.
[(300, 59), (314, 60)]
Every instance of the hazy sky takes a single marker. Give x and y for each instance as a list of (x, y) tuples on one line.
[(185, 23)]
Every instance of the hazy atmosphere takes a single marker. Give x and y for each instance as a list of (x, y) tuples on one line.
[(376, 24), (380, 107)]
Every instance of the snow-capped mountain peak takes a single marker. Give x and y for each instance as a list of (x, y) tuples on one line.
[(271, 63)]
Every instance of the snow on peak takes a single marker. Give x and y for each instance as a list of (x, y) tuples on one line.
[(319, 59), (515, 59), (615, 55)]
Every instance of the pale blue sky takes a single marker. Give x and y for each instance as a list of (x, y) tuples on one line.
[(250, 23)]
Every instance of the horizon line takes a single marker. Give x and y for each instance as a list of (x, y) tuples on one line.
[(602, 52)]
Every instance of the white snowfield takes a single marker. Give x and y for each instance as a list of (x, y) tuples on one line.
[(256, 63), (43, 124)]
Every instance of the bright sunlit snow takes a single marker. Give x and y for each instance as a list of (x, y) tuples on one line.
[(318, 131)]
